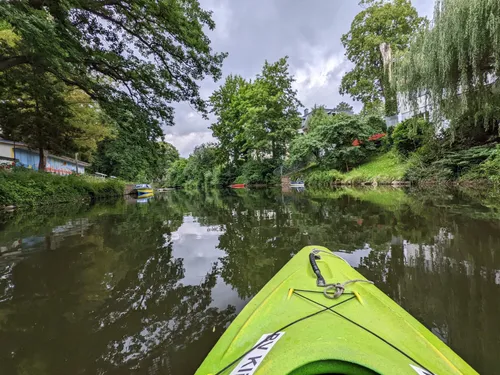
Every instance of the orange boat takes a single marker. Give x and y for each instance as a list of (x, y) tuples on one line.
[(239, 186)]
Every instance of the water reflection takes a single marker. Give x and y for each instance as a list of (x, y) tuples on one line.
[(148, 288)]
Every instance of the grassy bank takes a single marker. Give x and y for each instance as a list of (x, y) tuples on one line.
[(24, 187), (383, 169)]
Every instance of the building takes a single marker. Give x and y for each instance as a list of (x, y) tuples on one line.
[(19, 154), (307, 115), (424, 106)]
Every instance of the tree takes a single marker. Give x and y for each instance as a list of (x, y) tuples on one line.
[(226, 129), (201, 160), (136, 152), (34, 110), (91, 123), (408, 136), (375, 108), (344, 107), (378, 32), (259, 117), (176, 176), (272, 116), (331, 141), (456, 63), (138, 55)]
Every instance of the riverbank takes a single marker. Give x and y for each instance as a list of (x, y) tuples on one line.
[(23, 187), (474, 167), (382, 169)]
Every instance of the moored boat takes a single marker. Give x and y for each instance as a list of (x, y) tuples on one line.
[(318, 315), (238, 186), (143, 189), (297, 184)]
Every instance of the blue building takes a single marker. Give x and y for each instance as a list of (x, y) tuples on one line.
[(20, 154)]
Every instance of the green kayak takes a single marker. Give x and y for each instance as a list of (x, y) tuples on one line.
[(318, 315)]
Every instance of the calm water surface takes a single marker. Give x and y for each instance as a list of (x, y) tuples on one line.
[(148, 288)]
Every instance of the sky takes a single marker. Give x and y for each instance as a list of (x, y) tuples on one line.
[(252, 31)]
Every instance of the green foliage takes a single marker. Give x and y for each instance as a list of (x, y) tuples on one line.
[(377, 123), (488, 170), (138, 55), (176, 176), (255, 122), (202, 159), (409, 135), (74, 73), (44, 113), (256, 119), (322, 178), (33, 110), (390, 23), (134, 153), (329, 140), (240, 180), (452, 165), (226, 129), (344, 107), (454, 60), (384, 168), (23, 187), (375, 108), (258, 172)]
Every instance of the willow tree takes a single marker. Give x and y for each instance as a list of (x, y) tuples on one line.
[(456, 62)]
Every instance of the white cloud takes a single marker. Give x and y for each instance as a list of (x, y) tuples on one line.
[(316, 72), (318, 75), (253, 31), (185, 143), (222, 15)]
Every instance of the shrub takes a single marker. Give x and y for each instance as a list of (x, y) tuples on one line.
[(240, 180), (411, 134), (489, 169), (23, 187), (323, 177), (257, 172)]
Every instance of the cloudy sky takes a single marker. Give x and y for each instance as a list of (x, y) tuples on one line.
[(253, 31)]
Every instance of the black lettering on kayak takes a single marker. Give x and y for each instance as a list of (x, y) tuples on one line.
[(273, 337), (253, 362), (265, 345)]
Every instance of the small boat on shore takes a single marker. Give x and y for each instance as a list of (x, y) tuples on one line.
[(238, 186), (318, 315), (143, 189), (297, 184)]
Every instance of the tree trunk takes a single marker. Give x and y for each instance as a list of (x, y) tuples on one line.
[(386, 83), (43, 160), (10, 62)]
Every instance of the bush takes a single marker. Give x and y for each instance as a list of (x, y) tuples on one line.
[(411, 134), (471, 164), (418, 170), (487, 170), (24, 187), (323, 177), (256, 172), (240, 180)]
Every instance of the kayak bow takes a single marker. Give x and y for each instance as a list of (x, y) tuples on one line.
[(318, 315)]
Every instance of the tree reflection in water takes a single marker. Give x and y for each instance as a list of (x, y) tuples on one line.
[(148, 289)]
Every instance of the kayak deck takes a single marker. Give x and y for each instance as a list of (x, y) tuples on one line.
[(291, 327)]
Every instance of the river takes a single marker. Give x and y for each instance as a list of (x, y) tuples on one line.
[(148, 287)]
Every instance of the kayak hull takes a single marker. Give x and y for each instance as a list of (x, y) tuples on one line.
[(304, 332)]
